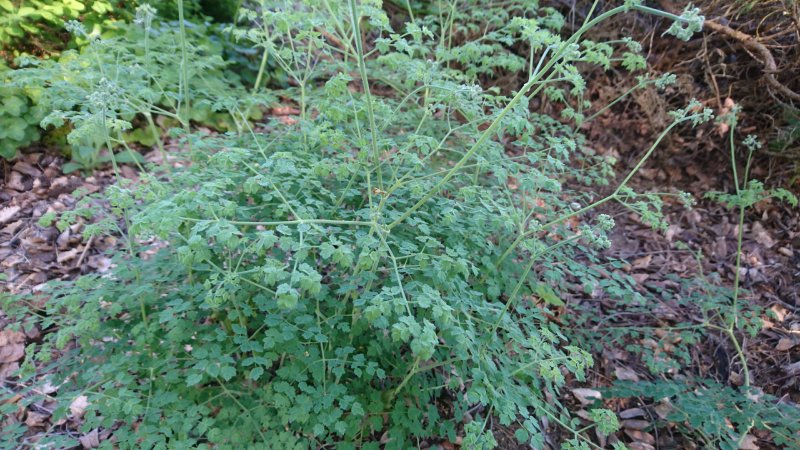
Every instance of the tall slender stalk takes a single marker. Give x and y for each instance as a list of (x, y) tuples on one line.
[(563, 50), (184, 74), (355, 20)]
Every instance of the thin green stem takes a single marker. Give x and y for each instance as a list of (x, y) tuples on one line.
[(184, 64), (362, 70)]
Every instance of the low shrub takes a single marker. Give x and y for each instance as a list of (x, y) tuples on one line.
[(381, 271), (19, 117), (125, 88)]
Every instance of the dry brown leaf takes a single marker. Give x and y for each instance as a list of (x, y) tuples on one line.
[(793, 368), (27, 169), (285, 111), (663, 409), (67, 255), (779, 311), (640, 446), (12, 346), (762, 236), (8, 369), (15, 181), (8, 213), (586, 396), (643, 262), (635, 424), (35, 419), (785, 344), (631, 413), (749, 442), (78, 406), (90, 439), (640, 436), (626, 373)]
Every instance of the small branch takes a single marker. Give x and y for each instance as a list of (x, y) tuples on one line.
[(752, 44)]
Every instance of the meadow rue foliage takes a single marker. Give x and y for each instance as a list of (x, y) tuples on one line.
[(378, 270)]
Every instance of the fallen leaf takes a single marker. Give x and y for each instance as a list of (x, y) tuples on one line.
[(90, 439), (27, 169), (285, 111), (15, 181), (631, 413), (785, 344), (35, 419), (640, 436), (749, 442), (635, 424), (67, 255), (586, 396), (8, 213), (640, 278), (643, 262), (12, 346), (640, 446), (779, 311), (762, 236), (663, 409), (79, 405), (8, 369), (626, 373), (793, 368)]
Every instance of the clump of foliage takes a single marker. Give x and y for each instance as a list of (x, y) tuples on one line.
[(39, 27), (19, 117), (342, 279), (128, 45), (125, 88)]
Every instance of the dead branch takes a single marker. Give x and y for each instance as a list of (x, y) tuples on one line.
[(770, 68)]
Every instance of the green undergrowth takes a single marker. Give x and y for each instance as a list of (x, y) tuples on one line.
[(379, 272), (127, 54)]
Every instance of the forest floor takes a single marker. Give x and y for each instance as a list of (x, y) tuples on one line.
[(692, 160)]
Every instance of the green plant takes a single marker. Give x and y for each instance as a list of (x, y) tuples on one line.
[(19, 117), (132, 79), (719, 415), (386, 266), (37, 26), (748, 193)]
